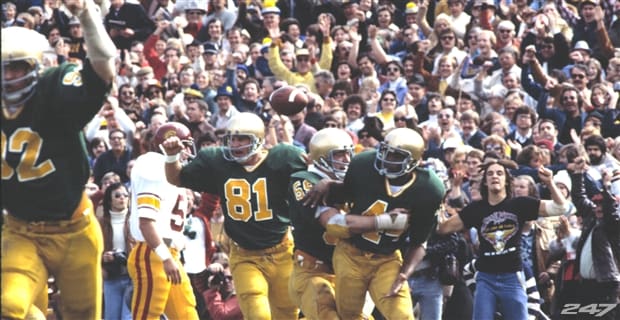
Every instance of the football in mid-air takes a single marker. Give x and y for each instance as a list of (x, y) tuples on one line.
[(288, 100)]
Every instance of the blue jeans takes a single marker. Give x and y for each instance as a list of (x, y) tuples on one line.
[(428, 292), (503, 292), (117, 298)]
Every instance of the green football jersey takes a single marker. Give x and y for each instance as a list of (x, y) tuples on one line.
[(44, 158), (254, 202), (308, 233), (368, 193)]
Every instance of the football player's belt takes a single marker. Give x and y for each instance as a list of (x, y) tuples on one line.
[(353, 250), (47, 227), (280, 247), (308, 261)]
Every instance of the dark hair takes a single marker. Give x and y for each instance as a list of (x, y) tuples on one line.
[(596, 140), (543, 120), (93, 143), (527, 154), (107, 198), (524, 110), (355, 99), (364, 55), (489, 161), (247, 81), (342, 85), (111, 132)]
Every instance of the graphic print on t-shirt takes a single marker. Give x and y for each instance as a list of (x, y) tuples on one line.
[(498, 228)]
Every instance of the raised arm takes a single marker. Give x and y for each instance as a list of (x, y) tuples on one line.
[(558, 205), (101, 49)]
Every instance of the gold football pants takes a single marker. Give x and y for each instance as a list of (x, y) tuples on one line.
[(358, 271), (313, 291), (153, 294), (261, 281), (69, 249)]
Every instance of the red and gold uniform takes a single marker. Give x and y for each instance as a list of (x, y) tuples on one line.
[(152, 197)]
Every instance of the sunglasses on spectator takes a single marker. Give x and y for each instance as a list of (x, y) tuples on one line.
[(505, 30), (400, 119), (493, 148), (578, 75), (127, 93), (447, 38), (393, 69), (303, 59), (118, 195), (331, 125)]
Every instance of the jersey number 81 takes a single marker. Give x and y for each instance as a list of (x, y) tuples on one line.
[(238, 193)]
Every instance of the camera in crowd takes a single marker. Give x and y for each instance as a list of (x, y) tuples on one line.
[(217, 278), (118, 266)]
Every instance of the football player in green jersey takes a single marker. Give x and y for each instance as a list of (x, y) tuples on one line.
[(378, 181), (316, 230), (50, 227), (252, 183)]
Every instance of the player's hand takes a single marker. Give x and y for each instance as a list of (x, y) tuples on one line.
[(75, 6), (318, 194), (172, 271), (397, 285), (172, 145)]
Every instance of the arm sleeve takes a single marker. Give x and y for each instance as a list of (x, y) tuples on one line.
[(151, 54), (192, 174), (327, 55), (275, 64), (90, 131)]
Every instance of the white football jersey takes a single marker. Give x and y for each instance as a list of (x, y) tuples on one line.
[(152, 197)]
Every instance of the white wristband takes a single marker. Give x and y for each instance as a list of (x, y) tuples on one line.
[(173, 158), (163, 252), (392, 221)]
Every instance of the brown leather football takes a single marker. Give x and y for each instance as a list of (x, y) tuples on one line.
[(288, 100)]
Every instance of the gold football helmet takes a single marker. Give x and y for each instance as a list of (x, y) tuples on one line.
[(325, 144), (22, 55), (243, 125), (399, 153)]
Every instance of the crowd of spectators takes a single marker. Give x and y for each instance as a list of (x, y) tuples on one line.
[(536, 82)]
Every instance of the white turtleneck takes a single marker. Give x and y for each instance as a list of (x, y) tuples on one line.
[(117, 219)]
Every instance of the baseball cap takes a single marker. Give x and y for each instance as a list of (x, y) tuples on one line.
[(270, 7), (194, 92), (411, 8), (210, 48), (224, 91), (302, 52), (582, 45)]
